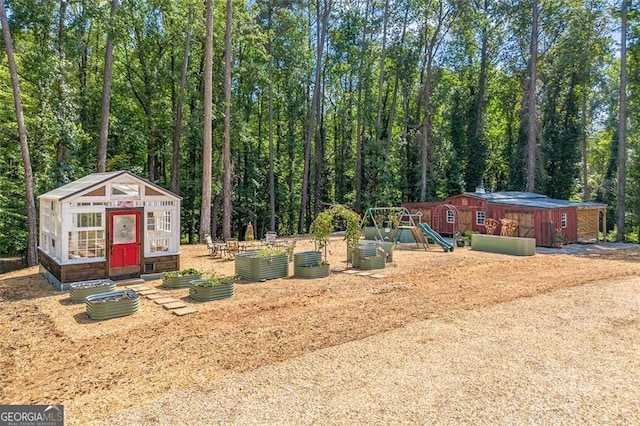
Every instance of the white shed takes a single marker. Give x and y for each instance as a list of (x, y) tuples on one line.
[(108, 225)]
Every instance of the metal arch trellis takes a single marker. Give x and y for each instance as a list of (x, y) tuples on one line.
[(438, 213)]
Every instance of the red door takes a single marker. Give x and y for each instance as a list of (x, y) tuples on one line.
[(124, 242)]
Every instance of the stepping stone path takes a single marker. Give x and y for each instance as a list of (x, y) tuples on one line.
[(184, 311), (164, 300), (178, 307), (174, 305), (155, 296)]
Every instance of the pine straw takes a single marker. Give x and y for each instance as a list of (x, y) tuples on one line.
[(454, 337)]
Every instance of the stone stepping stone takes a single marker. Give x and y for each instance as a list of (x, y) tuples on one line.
[(130, 283), (364, 274), (156, 296), (350, 271), (377, 276), (163, 300), (137, 287), (148, 291), (184, 311), (174, 305)]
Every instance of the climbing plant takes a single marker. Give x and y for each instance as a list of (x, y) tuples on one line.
[(325, 223)]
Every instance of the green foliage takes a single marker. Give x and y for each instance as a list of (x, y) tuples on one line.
[(183, 273), (327, 221), (61, 80), (271, 251), (212, 280)]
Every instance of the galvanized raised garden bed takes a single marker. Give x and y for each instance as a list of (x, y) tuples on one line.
[(260, 266), (205, 290), (81, 289), (308, 264), (361, 252), (113, 304), (375, 262), (180, 279)]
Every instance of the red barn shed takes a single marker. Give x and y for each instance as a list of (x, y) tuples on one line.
[(538, 216)]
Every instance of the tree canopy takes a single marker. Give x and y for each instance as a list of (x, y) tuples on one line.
[(359, 102)]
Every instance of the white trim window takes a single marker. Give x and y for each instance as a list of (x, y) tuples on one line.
[(480, 217), (563, 220), (159, 230), (86, 236), (451, 216), (48, 226)]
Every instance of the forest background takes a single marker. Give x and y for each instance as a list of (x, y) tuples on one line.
[(267, 111)]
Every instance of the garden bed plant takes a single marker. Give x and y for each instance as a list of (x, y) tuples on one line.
[(211, 287), (180, 279)]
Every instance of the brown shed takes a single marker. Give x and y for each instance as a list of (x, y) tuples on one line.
[(538, 216)]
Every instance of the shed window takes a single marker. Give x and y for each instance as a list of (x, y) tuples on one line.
[(86, 244), (125, 190), (480, 216), (49, 225), (158, 230), (87, 220), (451, 216), (563, 220)]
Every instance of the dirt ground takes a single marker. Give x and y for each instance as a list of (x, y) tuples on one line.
[(51, 352)]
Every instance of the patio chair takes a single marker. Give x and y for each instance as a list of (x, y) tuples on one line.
[(210, 245), (270, 237), (233, 247)]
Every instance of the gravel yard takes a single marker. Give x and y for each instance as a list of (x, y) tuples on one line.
[(447, 338)]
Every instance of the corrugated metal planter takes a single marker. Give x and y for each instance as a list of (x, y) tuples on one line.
[(307, 258), (311, 271), (516, 246), (375, 262), (361, 252), (205, 290), (112, 304), (250, 266), (308, 264), (81, 289), (180, 281), (388, 250)]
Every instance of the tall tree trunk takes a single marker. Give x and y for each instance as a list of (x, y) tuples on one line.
[(32, 256), (106, 91), (226, 145), (62, 110), (359, 112), (272, 178), (383, 54), (476, 164), (532, 133), (622, 125), (432, 45), (426, 128), (315, 106), (205, 209), (177, 128), (396, 87), (586, 193)]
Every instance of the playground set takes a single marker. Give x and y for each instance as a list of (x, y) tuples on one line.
[(398, 225)]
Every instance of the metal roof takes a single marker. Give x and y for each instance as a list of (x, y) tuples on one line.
[(529, 199), (92, 181)]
